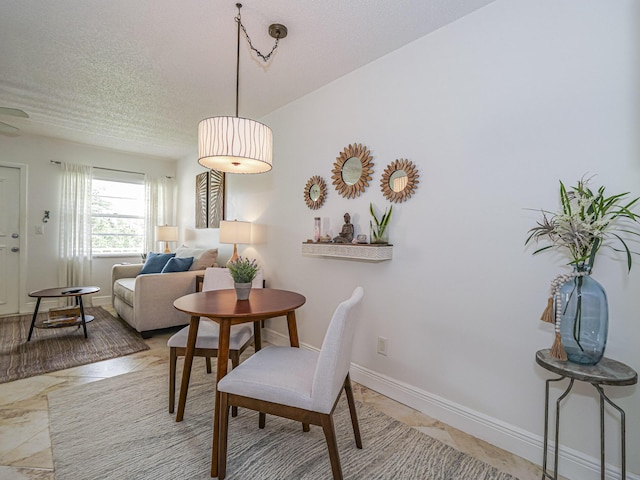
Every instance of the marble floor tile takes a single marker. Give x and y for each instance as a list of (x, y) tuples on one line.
[(15, 473), (25, 447), (24, 438)]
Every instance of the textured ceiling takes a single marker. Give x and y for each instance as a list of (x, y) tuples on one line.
[(138, 75)]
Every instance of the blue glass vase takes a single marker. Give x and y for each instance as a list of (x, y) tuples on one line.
[(585, 319)]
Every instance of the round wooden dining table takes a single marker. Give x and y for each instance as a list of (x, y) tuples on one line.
[(223, 307)]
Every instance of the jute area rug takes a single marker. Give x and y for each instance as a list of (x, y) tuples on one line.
[(55, 349), (120, 428)]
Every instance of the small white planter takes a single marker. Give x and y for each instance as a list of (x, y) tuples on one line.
[(242, 290)]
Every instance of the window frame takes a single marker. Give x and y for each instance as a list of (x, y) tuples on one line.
[(119, 176)]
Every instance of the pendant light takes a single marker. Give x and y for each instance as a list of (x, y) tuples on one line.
[(235, 144)]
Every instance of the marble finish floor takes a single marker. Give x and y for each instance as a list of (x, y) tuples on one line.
[(25, 447)]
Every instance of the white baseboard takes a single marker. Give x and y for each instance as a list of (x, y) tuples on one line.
[(573, 464)]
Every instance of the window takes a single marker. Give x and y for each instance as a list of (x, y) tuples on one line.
[(117, 212)]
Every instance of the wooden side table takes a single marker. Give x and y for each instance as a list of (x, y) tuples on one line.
[(606, 372)]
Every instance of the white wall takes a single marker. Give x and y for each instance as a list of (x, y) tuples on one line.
[(494, 109), (43, 192)]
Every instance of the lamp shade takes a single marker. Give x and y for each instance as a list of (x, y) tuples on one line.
[(167, 233), (235, 232), (235, 145)]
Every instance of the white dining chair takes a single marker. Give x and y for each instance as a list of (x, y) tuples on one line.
[(296, 383), (208, 331)]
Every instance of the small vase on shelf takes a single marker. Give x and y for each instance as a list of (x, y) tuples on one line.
[(379, 227), (378, 238)]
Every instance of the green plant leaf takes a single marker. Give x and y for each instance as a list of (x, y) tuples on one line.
[(628, 252), (588, 219)]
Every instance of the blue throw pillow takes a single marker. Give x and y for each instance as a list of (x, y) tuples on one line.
[(156, 262), (176, 264)]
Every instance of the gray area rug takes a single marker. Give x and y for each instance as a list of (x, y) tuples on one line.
[(120, 428), (55, 349)]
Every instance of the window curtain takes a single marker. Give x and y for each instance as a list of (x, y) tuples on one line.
[(75, 226), (159, 200)]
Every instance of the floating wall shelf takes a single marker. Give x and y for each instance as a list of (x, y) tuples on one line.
[(366, 252)]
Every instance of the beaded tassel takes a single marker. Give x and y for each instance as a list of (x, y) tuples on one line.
[(551, 316), (547, 315)]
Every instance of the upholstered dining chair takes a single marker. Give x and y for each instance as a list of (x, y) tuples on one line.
[(296, 383), (207, 340)]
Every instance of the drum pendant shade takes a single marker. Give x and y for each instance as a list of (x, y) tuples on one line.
[(235, 145)]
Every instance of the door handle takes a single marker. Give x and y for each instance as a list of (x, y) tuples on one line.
[(14, 235), (15, 249)]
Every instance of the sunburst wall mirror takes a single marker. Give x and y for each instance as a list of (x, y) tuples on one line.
[(315, 192), (352, 170), (399, 180)]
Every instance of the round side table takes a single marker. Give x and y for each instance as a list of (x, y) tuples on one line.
[(76, 292), (606, 372)]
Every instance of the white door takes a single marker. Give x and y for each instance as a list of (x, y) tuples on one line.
[(9, 239)]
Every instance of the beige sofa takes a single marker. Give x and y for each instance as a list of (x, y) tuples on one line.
[(146, 301)]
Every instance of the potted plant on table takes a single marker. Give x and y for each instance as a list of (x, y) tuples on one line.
[(587, 221), (243, 271)]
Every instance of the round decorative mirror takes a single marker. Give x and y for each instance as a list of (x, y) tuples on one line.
[(315, 191), (399, 180), (352, 170)]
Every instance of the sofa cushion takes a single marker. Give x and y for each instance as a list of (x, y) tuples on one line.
[(177, 265), (123, 288), (202, 257), (156, 262)]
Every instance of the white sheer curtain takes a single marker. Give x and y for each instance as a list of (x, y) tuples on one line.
[(75, 226), (159, 200)]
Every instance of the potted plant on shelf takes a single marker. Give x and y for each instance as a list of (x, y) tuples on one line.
[(379, 233), (243, 271)]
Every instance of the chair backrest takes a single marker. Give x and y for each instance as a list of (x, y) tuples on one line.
[(217, 278), (335, 355)]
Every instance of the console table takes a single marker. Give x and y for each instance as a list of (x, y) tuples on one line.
[(606, 372)]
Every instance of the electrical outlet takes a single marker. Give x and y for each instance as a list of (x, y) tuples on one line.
[(382, 346)]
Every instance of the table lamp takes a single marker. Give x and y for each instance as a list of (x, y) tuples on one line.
[(166, 234), (235, 232)]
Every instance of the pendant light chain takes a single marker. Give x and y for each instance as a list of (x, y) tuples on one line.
[(265, 58)]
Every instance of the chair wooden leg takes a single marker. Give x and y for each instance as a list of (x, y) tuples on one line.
[(352, 410), (306, 427), (235, 361), (332, 445), (262, 419), (208, 360), (173, 358), (257, 336), (222, 436)]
